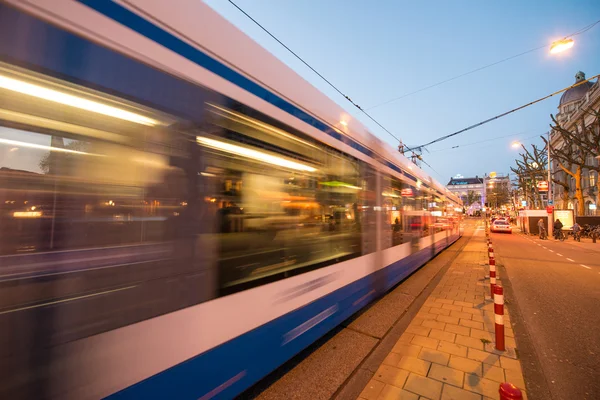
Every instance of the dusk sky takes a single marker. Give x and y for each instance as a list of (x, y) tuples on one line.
[(375, 51)]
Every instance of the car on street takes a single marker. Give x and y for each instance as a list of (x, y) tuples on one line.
[(500, 225)]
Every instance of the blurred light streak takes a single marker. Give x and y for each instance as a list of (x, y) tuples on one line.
[(73, 101), (253, 154)]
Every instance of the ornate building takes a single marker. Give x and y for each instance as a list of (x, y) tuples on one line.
[(572, 113), (461, 187)]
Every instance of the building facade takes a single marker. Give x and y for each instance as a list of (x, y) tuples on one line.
[(470, 190), (574, 111)]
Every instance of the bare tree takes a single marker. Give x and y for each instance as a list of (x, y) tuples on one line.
[(587, 139), (573, 153), (531, 169)]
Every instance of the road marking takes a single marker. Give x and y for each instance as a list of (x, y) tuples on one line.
[(570, 260), (585, 266), (558, 254), (551, 251)]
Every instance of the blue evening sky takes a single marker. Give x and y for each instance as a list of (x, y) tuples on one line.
[(377, 50)]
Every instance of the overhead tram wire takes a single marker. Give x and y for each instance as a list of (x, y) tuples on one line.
[(484, 141), (315, 71), (579, 32), (502, 115)]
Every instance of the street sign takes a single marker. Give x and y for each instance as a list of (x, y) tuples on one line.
[(542, 186), (550, 202), (550, 209)]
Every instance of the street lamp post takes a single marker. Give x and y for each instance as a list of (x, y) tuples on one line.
[(550, 194)]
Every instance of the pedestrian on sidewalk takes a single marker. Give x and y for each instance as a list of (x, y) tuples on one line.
[(542, 229), (577, 231)]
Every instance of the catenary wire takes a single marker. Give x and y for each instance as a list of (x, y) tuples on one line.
[(501, 115), (315, 71), (483, 141), (579, 32)]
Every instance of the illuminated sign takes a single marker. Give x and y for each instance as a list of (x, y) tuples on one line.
[(542, 186), (492, 175), (565, 216), (406, 192), (592, 207)]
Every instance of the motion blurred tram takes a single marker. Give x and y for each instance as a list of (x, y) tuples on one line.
[(181, 213)]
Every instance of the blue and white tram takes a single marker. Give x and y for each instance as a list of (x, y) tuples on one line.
[(180, 213)]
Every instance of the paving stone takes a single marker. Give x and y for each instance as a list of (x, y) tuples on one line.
[(479, 334), (450, 392), (390, 392), (442, 335), (460, 330), (469, 341), (372, 390), (493, 373), (415, 365), (460, 314), (425, 342), (429, 388), (473, 310), (427, 315), (482, 386), (434, 356), (509, 342), (447, 320), (434, 324), (452, 348), (392, 359), (466, 365), (406, 349), (444, 301), (436, 310), (484, 357), (471, 324), (406, 337), (391, 375), (418, 330), (508, 363), (509, 352), (452, 307), (446, 375), (480, 318)]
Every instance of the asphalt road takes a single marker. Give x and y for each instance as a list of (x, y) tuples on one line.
[(556, 287)]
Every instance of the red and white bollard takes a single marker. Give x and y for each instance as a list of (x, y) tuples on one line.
[(499, 316), (508, 391), (490, 251), (492, 276)]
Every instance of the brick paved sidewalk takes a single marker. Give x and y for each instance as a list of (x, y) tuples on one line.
[(447, 352)]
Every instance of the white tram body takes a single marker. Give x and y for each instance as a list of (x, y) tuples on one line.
[(181, 212)]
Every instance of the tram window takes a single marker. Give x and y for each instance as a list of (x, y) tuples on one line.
[(285, 204), (61, 193)]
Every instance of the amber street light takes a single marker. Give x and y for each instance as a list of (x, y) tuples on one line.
[(561, 45), (516, 145)]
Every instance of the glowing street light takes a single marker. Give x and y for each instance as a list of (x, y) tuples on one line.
[(515, 145), (561, 45)]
